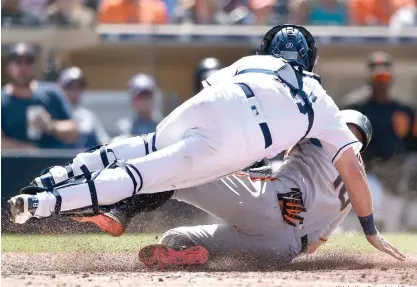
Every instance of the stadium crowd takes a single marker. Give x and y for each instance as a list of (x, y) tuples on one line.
[(86, 13)]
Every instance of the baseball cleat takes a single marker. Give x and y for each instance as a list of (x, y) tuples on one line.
[(106, 223), (161, 256), (23, 207), (113, 222)]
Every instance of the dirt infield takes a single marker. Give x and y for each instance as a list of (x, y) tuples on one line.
[(124, 269)]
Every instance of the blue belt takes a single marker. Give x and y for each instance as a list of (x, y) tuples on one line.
[(264, 126)]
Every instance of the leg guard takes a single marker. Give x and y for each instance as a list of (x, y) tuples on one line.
[(143, 203), (78, 195), (98, 158)]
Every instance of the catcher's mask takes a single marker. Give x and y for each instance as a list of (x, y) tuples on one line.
[(291, 42)]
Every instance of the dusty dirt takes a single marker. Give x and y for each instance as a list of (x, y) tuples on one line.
[(124, 269)]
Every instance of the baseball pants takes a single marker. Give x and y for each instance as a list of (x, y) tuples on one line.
[(253, 220)]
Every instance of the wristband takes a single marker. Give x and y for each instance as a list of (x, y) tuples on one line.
[(368, 225)]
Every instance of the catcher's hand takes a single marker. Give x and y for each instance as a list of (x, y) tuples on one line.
[(291, 205), (382, 245)]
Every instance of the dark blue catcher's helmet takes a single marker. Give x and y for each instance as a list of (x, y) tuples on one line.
[(291, 42)]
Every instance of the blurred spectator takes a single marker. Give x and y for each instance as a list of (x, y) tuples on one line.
[(93, 4), (133, 11), (374, 12), (92, 132), (12, 15), (205, 68), (33, 114), (392, 121), (262, 10), (34, 7), (231, 12), (270, 12), (143, 90), (193, 11), (405, 17), (226, 12), (321, 12), (72, 13)]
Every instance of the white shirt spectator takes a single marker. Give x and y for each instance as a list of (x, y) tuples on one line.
[(34, 7)]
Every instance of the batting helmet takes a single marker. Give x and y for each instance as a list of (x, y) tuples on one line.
[(205, 69), (361, 122), (291, 42)]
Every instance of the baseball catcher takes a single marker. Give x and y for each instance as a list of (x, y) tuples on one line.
[(251, 110)]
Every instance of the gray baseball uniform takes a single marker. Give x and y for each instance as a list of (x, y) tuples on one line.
[(248, 205)]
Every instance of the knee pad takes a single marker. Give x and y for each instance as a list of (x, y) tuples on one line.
[(93, 158), (98, 158), (123, 149)]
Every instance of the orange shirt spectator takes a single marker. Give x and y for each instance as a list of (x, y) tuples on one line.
[(374, 12), (133, 11)]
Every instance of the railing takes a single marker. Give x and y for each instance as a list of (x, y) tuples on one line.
[(197, 34)]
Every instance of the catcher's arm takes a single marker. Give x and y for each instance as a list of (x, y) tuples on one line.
[(354, 176)]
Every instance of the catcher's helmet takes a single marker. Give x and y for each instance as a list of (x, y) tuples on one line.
[(205, 69), (361, 122), (291, 42)]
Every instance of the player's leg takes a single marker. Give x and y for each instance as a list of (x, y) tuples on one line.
[(117, 219), (219, 145), (98, 158), (172, 129), (192, 245), (203, 196), (161, 171), (187, 245)]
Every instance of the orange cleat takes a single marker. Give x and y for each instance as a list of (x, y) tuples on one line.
[(163, 256), (107, 223)]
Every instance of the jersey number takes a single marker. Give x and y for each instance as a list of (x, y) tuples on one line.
[(344, 199)]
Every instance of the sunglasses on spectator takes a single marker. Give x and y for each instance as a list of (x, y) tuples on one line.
[(22, 60), (75, 85), (143, 94)]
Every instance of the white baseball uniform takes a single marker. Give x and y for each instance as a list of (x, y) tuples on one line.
[(249, 206), (245, 113)]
